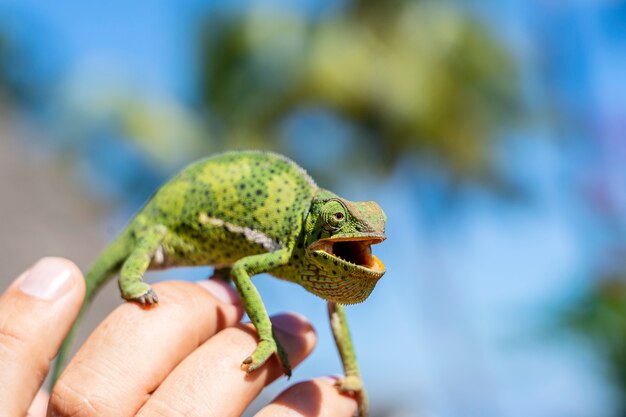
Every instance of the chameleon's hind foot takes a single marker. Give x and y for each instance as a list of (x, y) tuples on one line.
[(262, 353), (349, 384), (353, 385), (145, 297)]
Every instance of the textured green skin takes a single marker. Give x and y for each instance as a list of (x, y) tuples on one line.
[(250, 212)]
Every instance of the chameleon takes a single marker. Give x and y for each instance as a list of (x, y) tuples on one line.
[(246, 213)]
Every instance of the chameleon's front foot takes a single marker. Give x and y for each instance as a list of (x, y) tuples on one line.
[(141, 293), (353, 385), (263, 351)]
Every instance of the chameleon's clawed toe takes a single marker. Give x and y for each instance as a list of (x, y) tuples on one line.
[(353, 385), (283, 360), (349, 384), (149, 298), (264, 350)]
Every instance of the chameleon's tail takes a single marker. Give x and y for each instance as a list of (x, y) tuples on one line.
[(107, 264)]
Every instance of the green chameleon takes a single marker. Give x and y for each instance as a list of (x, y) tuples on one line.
[(246, 213)]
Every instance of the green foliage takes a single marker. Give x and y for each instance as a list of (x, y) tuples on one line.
[(418, 77), (3, 57), (600, 317)]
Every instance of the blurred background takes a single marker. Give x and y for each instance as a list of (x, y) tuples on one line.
[(492, 133)]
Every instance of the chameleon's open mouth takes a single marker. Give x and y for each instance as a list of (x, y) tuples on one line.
[(353, 252)]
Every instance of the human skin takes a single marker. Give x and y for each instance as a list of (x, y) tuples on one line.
[(179, 359)]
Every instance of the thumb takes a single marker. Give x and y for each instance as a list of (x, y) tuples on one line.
[(36, 312)]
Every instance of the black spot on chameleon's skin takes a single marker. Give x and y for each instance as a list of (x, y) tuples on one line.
[(224, 189)]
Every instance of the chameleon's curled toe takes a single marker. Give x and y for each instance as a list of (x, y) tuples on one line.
[(262, 353), (353, 385), (349, 384), (283, 360), (149, 298)]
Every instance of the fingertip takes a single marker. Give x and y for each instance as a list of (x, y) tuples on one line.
[(334, 402), (294, 324), (318, 397), (221, 290), (226, 296), (329, 379)]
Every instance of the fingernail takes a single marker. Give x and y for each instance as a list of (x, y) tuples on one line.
[(48, 279), (292, 323), (221, 291)]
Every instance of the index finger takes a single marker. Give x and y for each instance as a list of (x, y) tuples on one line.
[(134, 349)]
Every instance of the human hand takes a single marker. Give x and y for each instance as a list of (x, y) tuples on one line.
[(180, 358)]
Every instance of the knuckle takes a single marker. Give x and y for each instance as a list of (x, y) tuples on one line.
[(67, 401), (10, 341), (170, 408), (15, 345), (13, 337), (17, 349)]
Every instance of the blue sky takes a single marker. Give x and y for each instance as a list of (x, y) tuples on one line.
[(452, 328)]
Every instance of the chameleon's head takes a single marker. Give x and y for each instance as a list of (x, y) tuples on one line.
[(338, 238)]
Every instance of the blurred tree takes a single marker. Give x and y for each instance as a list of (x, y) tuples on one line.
[(27, 79), (600, 317), (415, 77), (4, 87)]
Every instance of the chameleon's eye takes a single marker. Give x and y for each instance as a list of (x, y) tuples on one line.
[(334, 215)]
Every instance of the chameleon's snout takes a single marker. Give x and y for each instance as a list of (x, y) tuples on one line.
[(347, 268)]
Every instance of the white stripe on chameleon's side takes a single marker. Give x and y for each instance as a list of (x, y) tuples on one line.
[(159, 256), (252, 235)]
